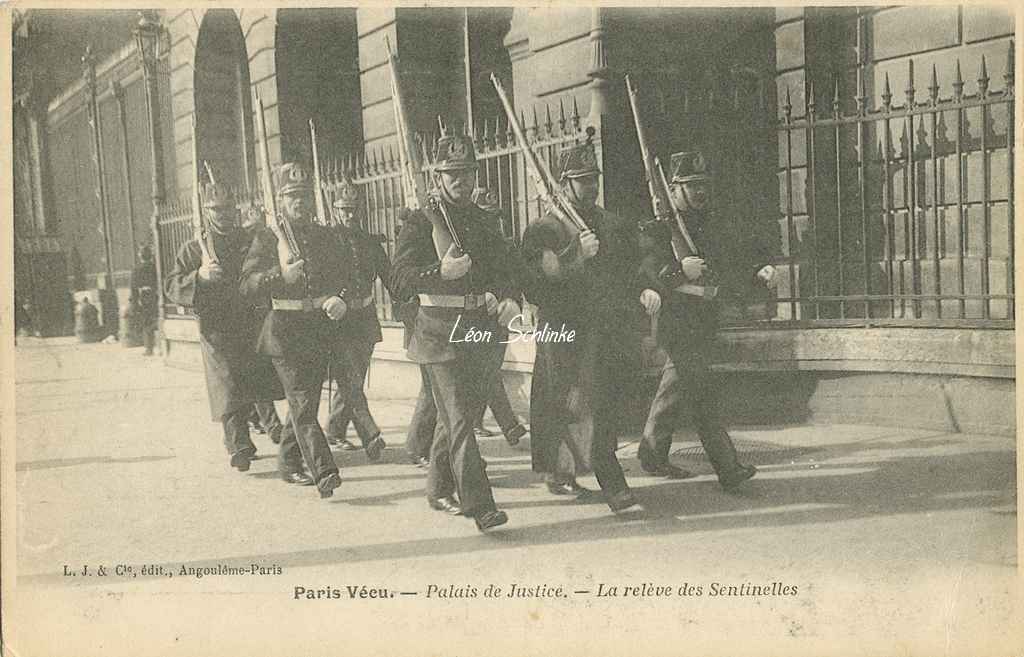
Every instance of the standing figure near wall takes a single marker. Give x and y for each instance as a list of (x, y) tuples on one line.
[(687, 326), (463, 294), (589, 283), (361, 328), (236, 377), (309, 297), (143, 300)]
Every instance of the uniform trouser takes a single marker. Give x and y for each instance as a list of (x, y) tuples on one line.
[(688, 386), (348, 402), (455, 463), (497, 398), (149, 336), (265, 413), (424, 420), (236, 431), (303, 380)]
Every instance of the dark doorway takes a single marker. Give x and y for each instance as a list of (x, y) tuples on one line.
[(318, 78), (223, 105)]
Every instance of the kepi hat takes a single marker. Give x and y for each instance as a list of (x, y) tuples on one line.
[(577, 161), (292, 177), (217, 196), (688, 166), (454, 152)]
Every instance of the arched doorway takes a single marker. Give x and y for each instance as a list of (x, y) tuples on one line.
[(317, 59), (222, 96)]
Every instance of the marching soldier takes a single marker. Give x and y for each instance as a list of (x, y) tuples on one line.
[(497, 398), (462, 296), (687, 326), (588, 282), (235, 376), (360, 330), (309, 299)]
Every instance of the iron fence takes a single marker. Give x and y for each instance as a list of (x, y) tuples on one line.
[(377, 172), (899, 214)]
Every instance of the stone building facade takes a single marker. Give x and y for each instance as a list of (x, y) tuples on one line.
[(835, 135)]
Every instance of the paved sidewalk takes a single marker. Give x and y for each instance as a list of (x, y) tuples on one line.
[(902, 533)]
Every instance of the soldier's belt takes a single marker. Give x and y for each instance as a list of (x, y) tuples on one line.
[(299, 305), (705, 291), (460, 301), (356, 304)]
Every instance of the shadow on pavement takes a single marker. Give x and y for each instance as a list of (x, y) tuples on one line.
[(46, 464), (910, 485)]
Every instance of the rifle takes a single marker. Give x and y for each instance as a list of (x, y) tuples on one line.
[(413, 175), (318, 193), (278, 224), (199, 229), (657, 184), (538, 168)]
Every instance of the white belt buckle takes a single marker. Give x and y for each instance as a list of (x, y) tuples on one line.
[(470, 302)]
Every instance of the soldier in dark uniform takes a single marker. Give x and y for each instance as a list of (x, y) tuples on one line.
[(144, 297), (423, 425), (588, 282), (361, 328), (462, 299), (303, 332), (497, 399), (263, 417), (235, 376), (688, 323)]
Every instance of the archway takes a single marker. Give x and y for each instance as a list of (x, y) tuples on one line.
[(222, 97)]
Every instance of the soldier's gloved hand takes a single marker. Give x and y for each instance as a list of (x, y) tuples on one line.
[(589, 244), (335, 307), (651, 301), (508, 311), (550, 265), (491, 302), (768, 275), (291, 273), (453, 266), (210, 272), (693, 267)]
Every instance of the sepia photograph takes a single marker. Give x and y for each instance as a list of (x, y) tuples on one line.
[(569, 329)]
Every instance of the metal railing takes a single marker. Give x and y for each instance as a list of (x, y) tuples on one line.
[(907, 215), (377, 174)]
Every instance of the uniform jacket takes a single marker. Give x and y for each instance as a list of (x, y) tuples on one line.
[(369, 262), (329, 271), (688, 321), (604, 292), (228, 325), (417, 270)]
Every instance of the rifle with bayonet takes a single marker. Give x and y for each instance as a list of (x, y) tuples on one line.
[(318, 193), (200, 230), (548, 189), (414, 181), (277, 223), (661, 203), (657, 184)]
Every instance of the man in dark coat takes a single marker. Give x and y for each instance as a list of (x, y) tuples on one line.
[(497, 398), (309, 294), (361, 328), (689, 322), (143, 298), (587, 283), (208, 282), (463, 295)]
